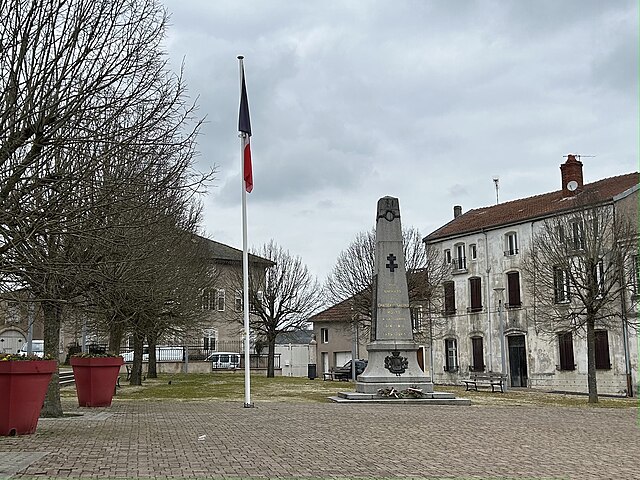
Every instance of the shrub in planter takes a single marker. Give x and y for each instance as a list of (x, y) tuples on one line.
[(95, 376), (23, 386)]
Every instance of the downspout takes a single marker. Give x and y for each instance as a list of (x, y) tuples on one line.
[(486, 259)]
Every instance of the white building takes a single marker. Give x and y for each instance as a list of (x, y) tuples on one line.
[(485, 292)]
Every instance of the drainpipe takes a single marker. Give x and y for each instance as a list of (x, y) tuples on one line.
[(486, 258)]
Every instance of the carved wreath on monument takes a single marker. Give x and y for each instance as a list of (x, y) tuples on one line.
[(395, 363)]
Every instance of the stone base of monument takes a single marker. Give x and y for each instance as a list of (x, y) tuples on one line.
[(409, 384)]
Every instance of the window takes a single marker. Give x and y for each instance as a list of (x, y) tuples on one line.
[(208, 299), (416, 319), (449, 298), (477, 355), (513, 290), (475, 287), (447, 255), (565, 343), (473, 251), (451, 352), (602, 350), (237, 301), (577, 235), (460, 262), (511, 243), (220, 299), (209, 339), (324, 335), (561, 285)]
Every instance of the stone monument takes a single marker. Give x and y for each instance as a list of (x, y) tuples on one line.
[(393, 359), (393, 353)]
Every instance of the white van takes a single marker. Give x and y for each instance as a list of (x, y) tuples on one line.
[(37, 348), (224, 360)]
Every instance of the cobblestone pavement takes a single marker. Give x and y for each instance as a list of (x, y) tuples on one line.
[(324, 440)]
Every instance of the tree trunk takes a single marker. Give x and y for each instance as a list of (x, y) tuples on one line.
[(115, 337), (152, 372), (136, 366), (52, 319), (271, 356), (591, 360)]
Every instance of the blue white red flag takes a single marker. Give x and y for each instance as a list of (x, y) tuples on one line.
[(244, 126)]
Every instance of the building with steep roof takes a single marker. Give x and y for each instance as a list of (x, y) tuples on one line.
[(487, 313)]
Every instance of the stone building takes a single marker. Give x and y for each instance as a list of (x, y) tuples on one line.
[(488, 317)]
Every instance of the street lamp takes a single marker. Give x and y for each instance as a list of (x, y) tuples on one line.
[(503, 357)]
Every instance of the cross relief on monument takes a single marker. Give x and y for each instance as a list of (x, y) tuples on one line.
[(392, 265)]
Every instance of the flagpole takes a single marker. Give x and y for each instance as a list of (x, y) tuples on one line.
[(245, 265)]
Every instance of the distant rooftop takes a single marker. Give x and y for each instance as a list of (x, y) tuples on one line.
[(221, 252)]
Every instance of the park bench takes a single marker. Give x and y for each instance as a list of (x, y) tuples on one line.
[(490, 379)]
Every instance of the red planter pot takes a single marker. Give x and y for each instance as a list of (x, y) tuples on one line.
[(23, 386), (96, 379)]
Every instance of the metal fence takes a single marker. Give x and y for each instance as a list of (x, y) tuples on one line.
[(198, 354)]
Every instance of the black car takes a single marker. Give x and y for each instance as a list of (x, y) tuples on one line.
[(344, 372)]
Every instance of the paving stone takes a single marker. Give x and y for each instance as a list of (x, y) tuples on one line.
[(325, 440)]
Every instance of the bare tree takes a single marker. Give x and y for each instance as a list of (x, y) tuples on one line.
[(352, 276), (575, 272), (282, 298), (87, 107)]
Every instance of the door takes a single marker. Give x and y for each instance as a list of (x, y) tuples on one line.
[(517, 360), (11, 341), (325, 362)]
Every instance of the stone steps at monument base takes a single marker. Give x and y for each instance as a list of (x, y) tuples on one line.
[(435, 398)]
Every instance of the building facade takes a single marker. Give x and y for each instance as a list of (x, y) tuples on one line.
[(490, 322)]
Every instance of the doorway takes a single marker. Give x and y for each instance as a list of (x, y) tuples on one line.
[(517, 360)]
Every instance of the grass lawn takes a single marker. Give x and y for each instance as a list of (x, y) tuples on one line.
[(230, 387)]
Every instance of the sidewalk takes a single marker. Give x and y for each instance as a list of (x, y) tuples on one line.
[(322, 440)]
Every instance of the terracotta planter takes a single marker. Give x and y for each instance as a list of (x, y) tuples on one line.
[(23, 386), (96, 379)]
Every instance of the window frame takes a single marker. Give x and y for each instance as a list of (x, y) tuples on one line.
[(238, 302), (416, 318), (477, 353), (221, 299), (324, 335), (451, 355), (513, 290), (460, 261), (602, 353), (449, 298), (561, 279), (473, 251)]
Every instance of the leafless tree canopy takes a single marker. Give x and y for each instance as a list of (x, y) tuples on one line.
[(284, 298), (577, 273), (96, 152), (352, 276)]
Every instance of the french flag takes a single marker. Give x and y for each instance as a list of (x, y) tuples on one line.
[(244, 126)]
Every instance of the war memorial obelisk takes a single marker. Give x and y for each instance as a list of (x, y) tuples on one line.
[(393, 360)]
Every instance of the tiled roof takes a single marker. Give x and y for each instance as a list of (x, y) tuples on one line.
[(526, 209), (337, 313), (221, 252)]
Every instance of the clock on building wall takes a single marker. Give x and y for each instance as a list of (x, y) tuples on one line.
[(572, 185)]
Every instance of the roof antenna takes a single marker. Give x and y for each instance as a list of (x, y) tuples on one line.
[(496, 182)]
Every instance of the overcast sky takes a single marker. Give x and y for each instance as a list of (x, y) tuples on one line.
[(423, 100)]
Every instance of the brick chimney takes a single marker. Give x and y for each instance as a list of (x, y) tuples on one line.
[(571, 171), (457, 211)]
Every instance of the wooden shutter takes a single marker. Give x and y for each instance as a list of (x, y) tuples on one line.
[(565, 341), (476, 294), (513, 282), (478, 354), (602, 350), (449, 299)]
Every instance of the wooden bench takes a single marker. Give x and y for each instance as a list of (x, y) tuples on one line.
[(327, 376), (486, 379)]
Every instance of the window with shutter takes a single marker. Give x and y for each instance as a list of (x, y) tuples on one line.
[(565, 343), (475, 285), (477, 354), (513, 291), (602, 350), (449, 298)]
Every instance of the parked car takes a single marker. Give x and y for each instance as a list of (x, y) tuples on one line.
[(344, 372), (224, 360), (37, 348)]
